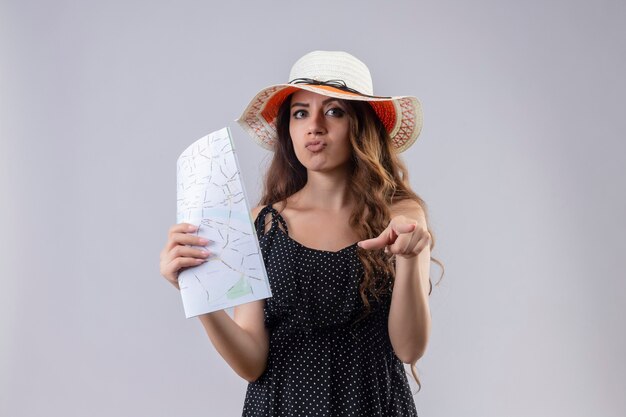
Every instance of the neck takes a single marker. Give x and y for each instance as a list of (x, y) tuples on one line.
[(326, 191)]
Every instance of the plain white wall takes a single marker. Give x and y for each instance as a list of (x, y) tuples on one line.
[(521, 161)]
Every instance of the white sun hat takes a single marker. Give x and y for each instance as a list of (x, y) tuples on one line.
[(334, 74)]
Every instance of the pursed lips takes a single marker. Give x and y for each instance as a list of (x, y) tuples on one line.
[(315, 145)]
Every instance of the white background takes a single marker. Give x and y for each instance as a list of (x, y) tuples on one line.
[(521, 162)]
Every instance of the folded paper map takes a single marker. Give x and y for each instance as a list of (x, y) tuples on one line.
[(211, 195)]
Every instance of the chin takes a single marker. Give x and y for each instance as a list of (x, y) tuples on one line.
[(324, 167)]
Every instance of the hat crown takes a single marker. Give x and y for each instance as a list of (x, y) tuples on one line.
[(334, 65)]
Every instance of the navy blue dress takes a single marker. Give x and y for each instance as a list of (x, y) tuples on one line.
[(322, 361)]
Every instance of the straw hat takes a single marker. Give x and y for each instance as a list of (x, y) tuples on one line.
[(334, 74)]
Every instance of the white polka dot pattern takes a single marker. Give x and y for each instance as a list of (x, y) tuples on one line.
[(322, 361)]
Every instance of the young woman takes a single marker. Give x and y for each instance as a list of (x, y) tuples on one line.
[(346, 245)]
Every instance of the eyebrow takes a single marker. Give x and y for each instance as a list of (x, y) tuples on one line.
[(323, 102)]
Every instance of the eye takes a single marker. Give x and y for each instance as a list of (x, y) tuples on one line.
[(299, 114), (336, 112)]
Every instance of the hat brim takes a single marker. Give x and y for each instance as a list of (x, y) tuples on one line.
[(401, 115)]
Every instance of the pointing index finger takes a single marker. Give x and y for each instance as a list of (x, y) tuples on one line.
[(374, 243)]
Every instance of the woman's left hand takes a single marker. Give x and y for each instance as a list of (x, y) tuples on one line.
[(403, 237)]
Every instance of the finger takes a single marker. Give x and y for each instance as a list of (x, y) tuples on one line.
[(406, 237), (403, 227), (187, 252), (174, 235), (183, 228), (423, 243), (402, 243), (411, 247), (177, 264), (375, 243), (171, 270), (412, 243), (171, 276), (181, 256), (183, 238), (189, 239)]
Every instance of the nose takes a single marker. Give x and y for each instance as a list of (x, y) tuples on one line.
[(317, 123)]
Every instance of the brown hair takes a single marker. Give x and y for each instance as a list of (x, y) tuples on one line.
[(378, 179)]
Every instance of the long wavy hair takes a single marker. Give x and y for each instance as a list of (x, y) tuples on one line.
[(378, 178)]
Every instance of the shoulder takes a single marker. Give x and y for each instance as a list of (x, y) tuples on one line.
[(255, 211), (408, 208), (279, 206)]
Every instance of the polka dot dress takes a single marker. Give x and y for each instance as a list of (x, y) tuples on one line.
[(322, 361)]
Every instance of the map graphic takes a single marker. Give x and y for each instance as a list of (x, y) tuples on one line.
[(210, 194)]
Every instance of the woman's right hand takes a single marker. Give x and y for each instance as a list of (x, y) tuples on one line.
[(176, 255)]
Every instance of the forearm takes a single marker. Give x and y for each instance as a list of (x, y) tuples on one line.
[(409, 314), (245, 355)]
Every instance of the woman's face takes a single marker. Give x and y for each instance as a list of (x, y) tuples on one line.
[(319, 127)]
